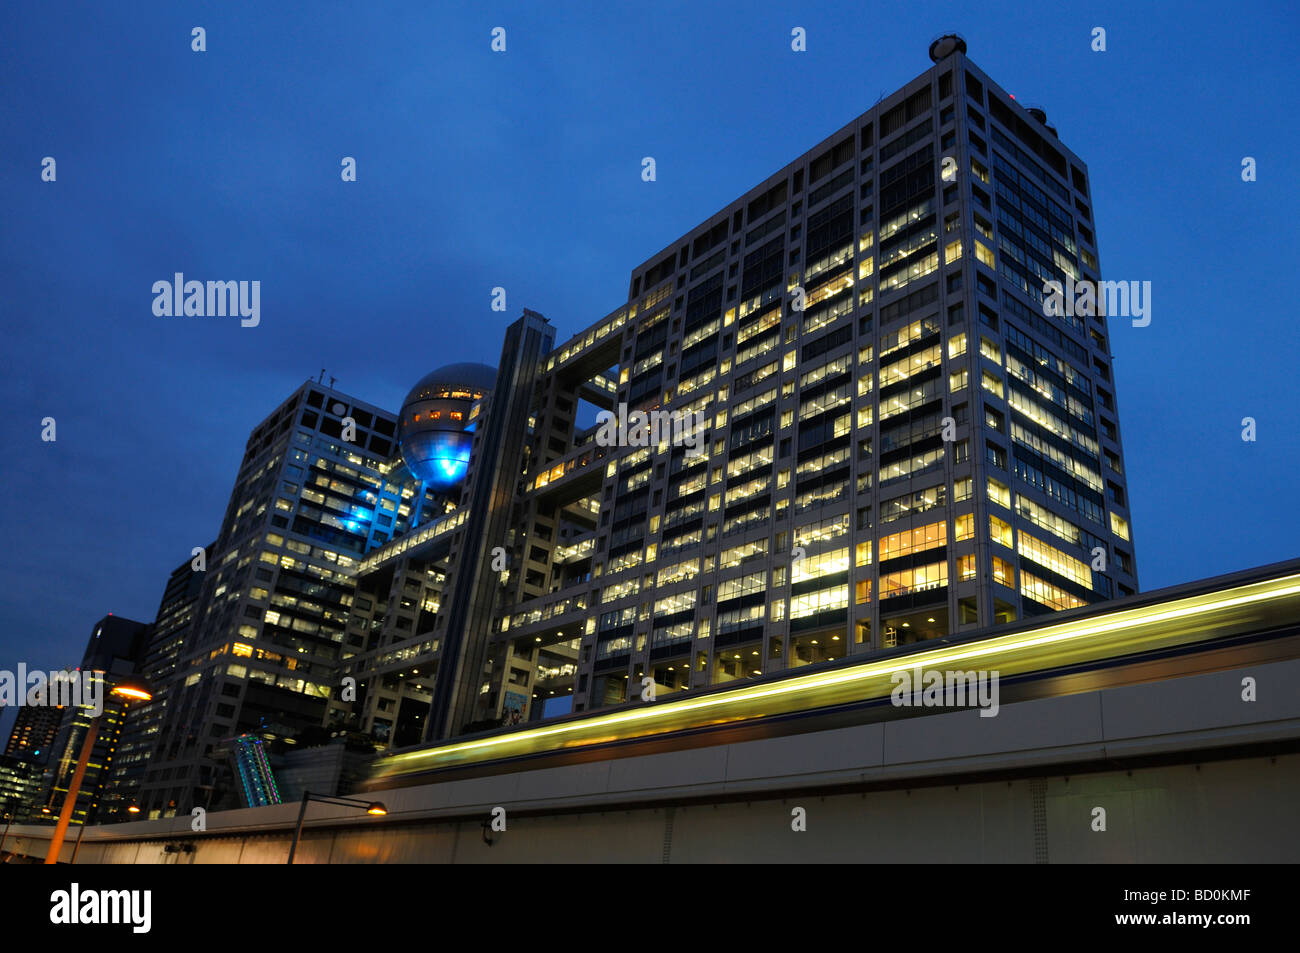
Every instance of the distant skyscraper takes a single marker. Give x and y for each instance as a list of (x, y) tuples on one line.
[(33, 732), (20, 787), (313, 493), (114, 650), (134, 781), (26, 753)]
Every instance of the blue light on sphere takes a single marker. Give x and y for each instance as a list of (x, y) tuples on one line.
[(432, 430)]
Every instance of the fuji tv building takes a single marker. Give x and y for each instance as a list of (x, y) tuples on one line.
[(943, 455)]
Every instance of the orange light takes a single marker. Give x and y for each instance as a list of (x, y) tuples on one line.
[(137, 693), (133, 809), (377, 809)]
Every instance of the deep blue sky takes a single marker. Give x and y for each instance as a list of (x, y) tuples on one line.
[(522, 170)]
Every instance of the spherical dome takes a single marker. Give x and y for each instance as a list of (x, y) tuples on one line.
[(468, 376), (434, 429)]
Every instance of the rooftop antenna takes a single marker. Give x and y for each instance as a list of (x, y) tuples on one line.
[(321, 379), (332, 380)]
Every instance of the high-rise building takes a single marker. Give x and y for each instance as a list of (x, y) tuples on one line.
[(112, 652), (33, 733), (314, 492), (902, 438), (132, 773), (836, 417), (26, 754), (902, 442), (20, 787)]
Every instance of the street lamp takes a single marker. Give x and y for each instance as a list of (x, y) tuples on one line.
[(76, 848), (374, 808), (130, 688), (9, 819)]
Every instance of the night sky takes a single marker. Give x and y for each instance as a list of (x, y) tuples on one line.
[(522, 169)]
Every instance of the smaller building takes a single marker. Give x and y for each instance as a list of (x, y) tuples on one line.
[(34, 732), (20, 786), (113, 650)]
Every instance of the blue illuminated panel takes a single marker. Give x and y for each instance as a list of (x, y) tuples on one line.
[(439, 458)]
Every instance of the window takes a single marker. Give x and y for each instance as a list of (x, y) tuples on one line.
[(1054, 597), (910, 504), (918, 539), (862, 554), (823, 600), (917, 579), (999, 493), (823, 564), (1054, 559), (991, 382), (818, 531), (911, 466)]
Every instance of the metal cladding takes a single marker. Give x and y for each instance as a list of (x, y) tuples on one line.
[(435, 431)]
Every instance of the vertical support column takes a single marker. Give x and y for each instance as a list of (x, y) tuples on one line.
[(474, 592)]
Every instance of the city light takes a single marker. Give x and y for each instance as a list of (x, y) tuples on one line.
[(1179, 622)]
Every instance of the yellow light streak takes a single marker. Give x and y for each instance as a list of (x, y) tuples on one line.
[(1181, 621)]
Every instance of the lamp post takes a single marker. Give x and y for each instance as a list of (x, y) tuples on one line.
[(374, 808), (81, 832), (128, 689), (9, 819)]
